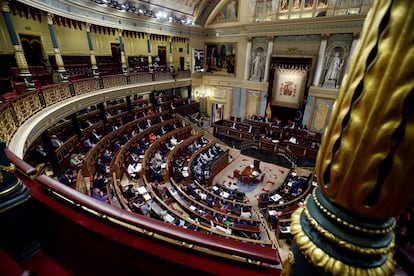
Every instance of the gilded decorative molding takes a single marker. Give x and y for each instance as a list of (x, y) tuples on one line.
[(342, 243), (9, 169), (348, 224), (365, 161), (297, 38), (328, 264)]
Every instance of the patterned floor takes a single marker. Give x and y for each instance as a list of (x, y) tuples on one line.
[(274, 177)]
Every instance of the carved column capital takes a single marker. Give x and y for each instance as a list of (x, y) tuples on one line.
[(50, 17), (5, 6)]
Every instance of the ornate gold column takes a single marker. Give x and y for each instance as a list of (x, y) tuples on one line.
[(364, 165)]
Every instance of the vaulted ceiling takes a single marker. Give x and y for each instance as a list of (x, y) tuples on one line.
[(180, 11)]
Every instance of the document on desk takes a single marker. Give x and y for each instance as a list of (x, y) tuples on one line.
[(276, 197)]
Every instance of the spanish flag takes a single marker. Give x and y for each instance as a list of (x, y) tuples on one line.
[(268, 111)]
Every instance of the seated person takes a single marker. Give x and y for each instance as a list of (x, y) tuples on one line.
[(114, 127), (88, 123), (157, 159), (101, 166), (204, 140), (134, 169), (139, 128), (155, 173), (151, 137), (88, 144), (173, 141), (148, 123), (150, 112), (75, 161), (163, 131), (258, 176), (100, 181), (95, 137), (107, 155), (133, 157), (167, 147), (67, 178), (39, 155), (56, 142), (125, 138), (117, 145), (99, 195), (143, 142), (139, 150)]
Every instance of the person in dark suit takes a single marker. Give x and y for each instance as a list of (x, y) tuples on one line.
[(155, 173), (117, 145), (139, 150), (100, 166), (88, 144), (107, 155), (67, 178), (99, 181), (95, 137), (39, 155), (148, 123), (56, 142), (143, 142)]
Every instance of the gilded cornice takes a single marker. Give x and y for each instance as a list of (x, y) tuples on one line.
[(92, 13), (323, 25)]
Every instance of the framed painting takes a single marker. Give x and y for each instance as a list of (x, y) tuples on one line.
[(221, 58), (198, 60)]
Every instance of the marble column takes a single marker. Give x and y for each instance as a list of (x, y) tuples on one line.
[(319, 64), (149, 50), (94, 64), (122, 50), (171, 44), (268, 58), (24, 73), (63, 76), (248, 58)]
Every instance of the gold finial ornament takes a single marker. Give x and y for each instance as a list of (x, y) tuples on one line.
[(366, 158)]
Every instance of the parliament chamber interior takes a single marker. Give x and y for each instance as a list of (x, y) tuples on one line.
[(221, 137)]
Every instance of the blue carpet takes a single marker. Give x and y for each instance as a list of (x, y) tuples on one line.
[(246, 188)]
